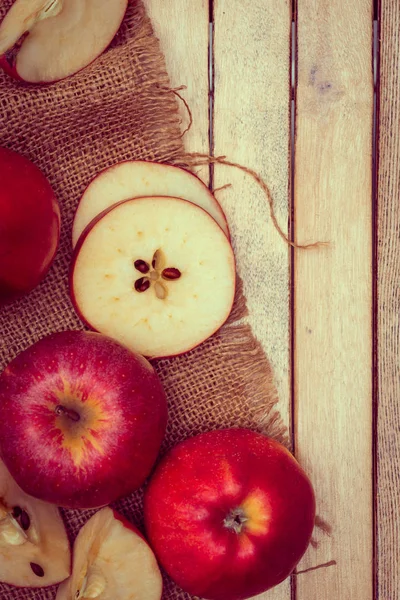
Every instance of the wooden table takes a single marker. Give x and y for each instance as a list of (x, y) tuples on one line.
[(328, 318)]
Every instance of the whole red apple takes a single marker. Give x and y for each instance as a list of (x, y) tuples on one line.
[(29, 225), (82, 419), (229, 514)]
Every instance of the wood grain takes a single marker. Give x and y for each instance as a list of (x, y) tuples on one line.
[(252, 126), (183, 30), (388, 304), (333, 289)]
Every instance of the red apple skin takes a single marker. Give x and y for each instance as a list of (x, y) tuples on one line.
[(122, 411), (29, 225), (9, 68), (195, 489), (127, 524)]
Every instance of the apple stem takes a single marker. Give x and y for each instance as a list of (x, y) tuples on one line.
[(68, 412), (235, 520)]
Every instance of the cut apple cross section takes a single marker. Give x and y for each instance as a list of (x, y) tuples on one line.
[(134, 179), (156, 274), (47, 40), (34, 548), (112, 561)]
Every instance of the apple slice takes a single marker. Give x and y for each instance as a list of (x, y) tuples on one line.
[(135, 179), (112, 561), (42, 41), (34, 548), (156, 274)]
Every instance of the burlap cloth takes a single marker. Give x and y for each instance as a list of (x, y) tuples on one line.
[(120, 108)]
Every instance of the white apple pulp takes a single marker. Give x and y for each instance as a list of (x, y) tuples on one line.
[(64, 36), (135, 179), (34, 548), (111, 561), (173, 306)]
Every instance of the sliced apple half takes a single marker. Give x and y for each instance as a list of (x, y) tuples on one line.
[(135, 179), (34, 548), (112, 561), (42, 41), (156, 274)]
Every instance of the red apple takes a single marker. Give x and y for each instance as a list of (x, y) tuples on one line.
[(29, 225), (42, 41), (111, 558), (82, 419), (229, 514), (34, 547)]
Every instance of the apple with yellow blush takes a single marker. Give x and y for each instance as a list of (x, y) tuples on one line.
[(83, 419), (229, 514)]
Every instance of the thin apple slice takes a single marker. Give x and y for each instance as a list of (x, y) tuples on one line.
[(156, 274), (136, 179), (42, 41), (34, 548), (112, 561)]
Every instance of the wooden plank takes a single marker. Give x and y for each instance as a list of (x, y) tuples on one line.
[(333, 289), (388, 303), (184, 38), (251, 126)]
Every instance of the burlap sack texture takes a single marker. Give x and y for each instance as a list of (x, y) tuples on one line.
[(121, 108)]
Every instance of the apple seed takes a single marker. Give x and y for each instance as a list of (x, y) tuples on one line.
[(37, 569), (24, 520), (142, 284), (158, 261), (160, 290), (16, 512), (170, 274), (141, 266)]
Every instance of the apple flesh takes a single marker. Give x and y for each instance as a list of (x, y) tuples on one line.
[(29, 225), (135, 179), (42, 41), (34, 548), (156, 274), (112, 561), (229, 514), (83, 419)]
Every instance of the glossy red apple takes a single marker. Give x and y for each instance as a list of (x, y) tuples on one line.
[(29, 225), (229, 514), (112, 560), (42, 41), (82, 419)]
